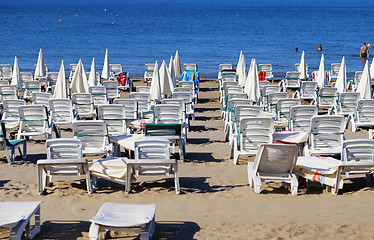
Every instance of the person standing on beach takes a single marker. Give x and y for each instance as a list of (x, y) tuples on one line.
[(364, 51)]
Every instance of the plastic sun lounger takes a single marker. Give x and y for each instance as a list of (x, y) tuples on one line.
[(16, 217), (138, 218)]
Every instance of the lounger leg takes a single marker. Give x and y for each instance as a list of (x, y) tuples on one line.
[(93, 234), (88, 178), (8, 158), (24, 155), (176, 179), (128, 179), (294, 185)]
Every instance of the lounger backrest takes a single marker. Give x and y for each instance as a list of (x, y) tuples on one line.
[(64, 148), (168, 113), (25, 76), (348, 102), (245, 111), (33, 118), (300, 117), (10, 109), (114, 116), (263, 83), (115, 68), (255, 131), (265, 68), (131, 107), (284, 105), (225, 67), (267, 89), (335, 67), (52, 78), (357, 78), (41, 98), (152, 148), (92, 133), (276, 159), (190, 67), (61, 110), (187, 84), (365, 110), (308, 89), (297, 67), (112, 90), (99, 95), (358, 150), (292, 75), (238, 101), (327, 131), (6, 70), (82, 103), (272, 99), (143, 89), (143, 100)]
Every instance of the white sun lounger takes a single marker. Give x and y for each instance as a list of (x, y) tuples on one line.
[(15, 217)]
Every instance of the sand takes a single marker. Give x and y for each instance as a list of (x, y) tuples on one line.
[(216, 201)]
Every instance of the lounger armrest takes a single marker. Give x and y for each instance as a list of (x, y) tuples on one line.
[(61, 161)]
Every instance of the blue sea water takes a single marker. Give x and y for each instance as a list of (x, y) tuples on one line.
[(205, 34)]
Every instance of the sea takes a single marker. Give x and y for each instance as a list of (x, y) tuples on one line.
[(207, 34)]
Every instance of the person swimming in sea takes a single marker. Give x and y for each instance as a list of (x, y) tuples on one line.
[(364, 51), (319, 47)]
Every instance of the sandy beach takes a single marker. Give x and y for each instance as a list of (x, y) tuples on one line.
[(216, 201)]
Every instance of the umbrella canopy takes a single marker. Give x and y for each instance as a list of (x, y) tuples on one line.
[(172, 72), (92, 81), (165, 80), (321, 82), (40, 66), (105, 73), (302, 68), (364, 87), (15, 77), (60, 88), (155, 88), (177, 66), (239, 65), (252, 85), (341, 81), (372, 69), (242, 72), (79, 83)]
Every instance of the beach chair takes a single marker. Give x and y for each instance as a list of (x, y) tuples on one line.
[(283, 107), (148, 74), (114, 116), (4, 83), (297, 69), (115, 69), (34, 122), (274, 163), (98, 94), (240, 112), (131, 107), (356, 80), (7, 144), (300, 117), (144, 102), (6, 72), (112, 90), (346, 104), (190, 67), (10, 115), (231, 95), (326, 135), (272, 100), (8, 92), (252, 133), (266, 90), (327, 97), (25, 76), (152, 157), (187, 90), (188, 100), (73, 68), (334, 72), (292, 80), (51, 79), (41, 98), (32, 87), (94, 136), (139, 218), (64, 157), (263, 83), (83, 105), (222, 68), (230, 109), (61, 111), (16, 218), (223, 89), (268, 69), (307, 91), (364, 114), (143, 89)]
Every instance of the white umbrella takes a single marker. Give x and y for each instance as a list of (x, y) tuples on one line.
[(172, 72), (165, 80), (40, 66), (92, 81), (302, 68), (105, 73), (60, 88), (364, 87), (341, 81), (321, 73), (155, 88), (252, 87), (79, 83), (177, 66), (239, 65), (242, 72), (15, 77), (372, 69)]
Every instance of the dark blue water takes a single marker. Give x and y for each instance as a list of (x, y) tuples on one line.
[(207, 34)]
